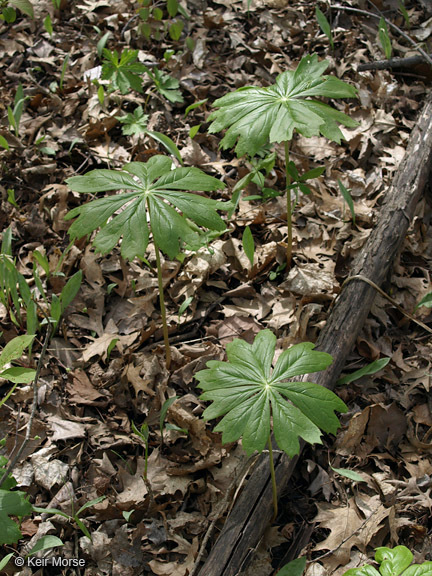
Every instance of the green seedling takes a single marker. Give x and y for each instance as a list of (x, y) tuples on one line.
[(194, 105), (158, 203), (12, 504), (393, 562), (425, 301), (348, 199), (156, 22), (255, 399), (8, 9), (255, 117), (15, 113), (324, 24), (184, 306), (4, 143), (16, 504), (273, 274), (384, 38), (293, 568), (16, 295), (15, 374), (350, 474), (48, 25), (168, 426), (135, 124), (248, 245), (45, 543), (102, 42), (166, 85), (260, 167), (298, 181), (367, 370), (123, 71), (404, 12), (60, 303), (75, 516), (143, 433)]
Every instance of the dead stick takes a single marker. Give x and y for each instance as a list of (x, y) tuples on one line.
[(393, 64)]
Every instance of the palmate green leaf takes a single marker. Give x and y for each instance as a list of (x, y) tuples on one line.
[(248, 394), (158, 201), (256, 116)]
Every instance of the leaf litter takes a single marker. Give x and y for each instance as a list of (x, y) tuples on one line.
[(105, 368)]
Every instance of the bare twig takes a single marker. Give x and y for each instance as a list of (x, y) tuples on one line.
[(15, 459), (398, 30), (404, 64), (389, 298)]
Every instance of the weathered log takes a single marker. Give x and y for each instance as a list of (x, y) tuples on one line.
[(253, 509)]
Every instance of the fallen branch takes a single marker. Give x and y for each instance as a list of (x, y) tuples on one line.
[(252, 511), (399, 64)]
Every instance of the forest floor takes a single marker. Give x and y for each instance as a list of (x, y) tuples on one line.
[(104, 369)]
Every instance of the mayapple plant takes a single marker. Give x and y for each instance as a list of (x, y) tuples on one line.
[(255, 399), (255, 117), (155, 200)]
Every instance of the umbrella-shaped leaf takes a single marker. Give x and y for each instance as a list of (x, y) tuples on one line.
[(247, 392), (155, 198), (256, 116)]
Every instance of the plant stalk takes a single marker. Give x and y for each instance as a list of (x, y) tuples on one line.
[(162, 307), (273, 480), (288, 207)]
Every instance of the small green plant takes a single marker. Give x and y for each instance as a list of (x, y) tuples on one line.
[(157, 23), (248, 244), (12, 503), (393, 562), (143, 432), (158, 203), (17, 297), (348, 199), (324, 24), (367, 370), (8, 9), (166, 85), (75, 516), (384, 38), (255, 399), (260, 166), (123, 70), (15, 374), (255, 117), (294, 568), (135, 124), (15, 113), (425, 301), (404, 12)]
